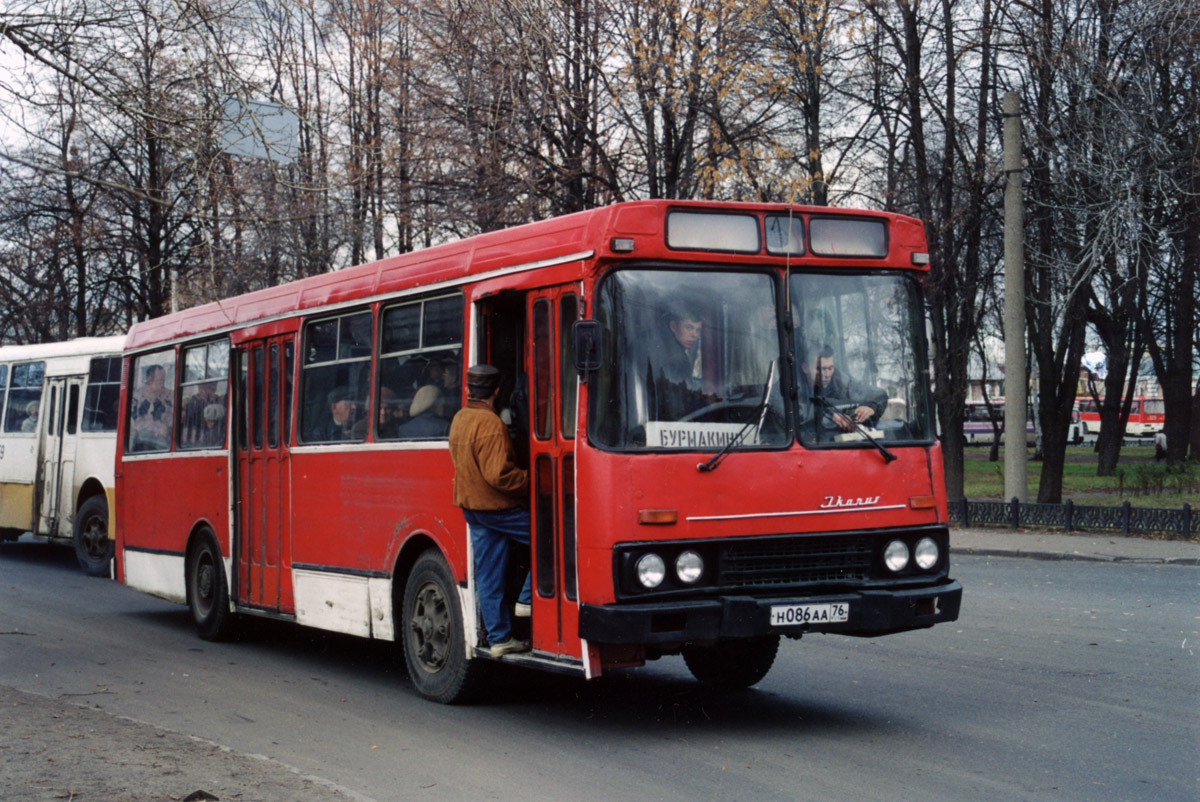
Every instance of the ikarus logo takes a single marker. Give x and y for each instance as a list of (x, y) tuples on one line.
[(840, 503)]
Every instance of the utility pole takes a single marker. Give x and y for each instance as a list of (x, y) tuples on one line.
[(1016, 402)]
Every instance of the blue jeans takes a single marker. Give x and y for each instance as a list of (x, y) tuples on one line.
[(491, 531)]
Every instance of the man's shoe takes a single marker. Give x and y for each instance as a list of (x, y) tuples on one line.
[(522, 610), (510, 645)]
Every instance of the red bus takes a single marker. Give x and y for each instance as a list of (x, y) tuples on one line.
[(706, 515), (1146, 416)]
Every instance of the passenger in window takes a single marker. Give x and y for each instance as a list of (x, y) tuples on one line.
[(343, 411), (194, 408), (213, 435), (391, 413), (493, 494), (451, 380), (31, 417), (674, 365), (425, 415), (856, 400), (151, 411)]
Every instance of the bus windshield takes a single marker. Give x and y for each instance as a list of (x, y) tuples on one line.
[(859, 365), (692, 361)]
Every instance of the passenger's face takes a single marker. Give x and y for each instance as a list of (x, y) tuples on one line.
[(343, 411), (825, 365), (687, 332)]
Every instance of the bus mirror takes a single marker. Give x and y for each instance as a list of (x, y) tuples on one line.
[(587, 346)]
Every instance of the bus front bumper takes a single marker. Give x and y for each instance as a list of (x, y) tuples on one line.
[(868, 612)]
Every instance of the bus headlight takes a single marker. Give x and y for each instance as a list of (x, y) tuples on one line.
[(688, 567), (895, 556), (926, 553), (651, 570)]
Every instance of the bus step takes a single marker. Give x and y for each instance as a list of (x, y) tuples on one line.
[(542, 660)]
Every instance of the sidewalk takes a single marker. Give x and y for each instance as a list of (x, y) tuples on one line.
[(1042, 545)]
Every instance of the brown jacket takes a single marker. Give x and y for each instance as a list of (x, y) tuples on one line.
[(486, 476)]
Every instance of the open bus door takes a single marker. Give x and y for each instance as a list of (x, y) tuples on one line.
[(553, 388), (57, 470), (262, 545)]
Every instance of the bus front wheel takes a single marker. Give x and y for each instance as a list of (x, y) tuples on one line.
[(207, 591), (434, 645), (732, 664), (93, 549)]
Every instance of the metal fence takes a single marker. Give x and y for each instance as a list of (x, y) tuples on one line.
[(1126, 519)]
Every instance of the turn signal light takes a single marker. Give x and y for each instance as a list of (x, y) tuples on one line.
[(922, 502), (658, 517), (621, 245)]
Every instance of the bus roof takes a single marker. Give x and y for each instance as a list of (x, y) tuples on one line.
[(559, 240), (82, 346)]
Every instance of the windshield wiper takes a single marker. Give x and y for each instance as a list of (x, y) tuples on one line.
[(831, 410), (759, 412)]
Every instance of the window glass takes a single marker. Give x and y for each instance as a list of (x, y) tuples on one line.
[(785, 235), (103, 395), (152, 402), (568, 377), (204, 395), (52, 418), (72, 408), (289, 360), (541, 370), (858, 348), (713, 232), (258, 399), (691, 361), (420, 368), (24, 397), (840, 236), (3, 386), (273, 397), (336, 379)]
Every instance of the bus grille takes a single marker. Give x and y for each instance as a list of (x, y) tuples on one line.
[(799, 561)]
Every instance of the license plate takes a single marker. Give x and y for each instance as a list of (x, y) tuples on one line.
[(787, 615)]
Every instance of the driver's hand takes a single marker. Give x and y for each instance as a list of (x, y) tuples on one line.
[(863, 414), (843, 422)]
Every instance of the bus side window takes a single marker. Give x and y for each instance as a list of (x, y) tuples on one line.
[(24, 397), (152, 402), (103, 395), (336, 379)]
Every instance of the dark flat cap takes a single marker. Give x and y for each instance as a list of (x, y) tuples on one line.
[(483, 377)]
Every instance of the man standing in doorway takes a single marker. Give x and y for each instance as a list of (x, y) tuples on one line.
[(493, 493)]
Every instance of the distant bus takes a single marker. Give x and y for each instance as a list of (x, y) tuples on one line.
[(1146, 416), (58, 432), (977, 424)]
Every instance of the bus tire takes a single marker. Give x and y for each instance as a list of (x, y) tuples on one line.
[(432, 633), (207, 591), (732, 664), (93, 548)]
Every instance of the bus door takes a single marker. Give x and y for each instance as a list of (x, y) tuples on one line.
[(553, 391), (263, 504), (57, 473)]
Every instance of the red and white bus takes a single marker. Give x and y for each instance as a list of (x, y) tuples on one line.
[(710, 529), (1146, 416)]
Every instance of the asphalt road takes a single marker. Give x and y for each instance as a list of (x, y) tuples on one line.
[(1061, 680)]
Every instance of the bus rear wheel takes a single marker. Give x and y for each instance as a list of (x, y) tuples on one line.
[(93, 549), (732, 664), (207, 591), (432, 633)]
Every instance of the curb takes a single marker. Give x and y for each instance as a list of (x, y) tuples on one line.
[(1075, 556)]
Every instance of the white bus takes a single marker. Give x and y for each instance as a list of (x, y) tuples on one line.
[(58, 434)]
